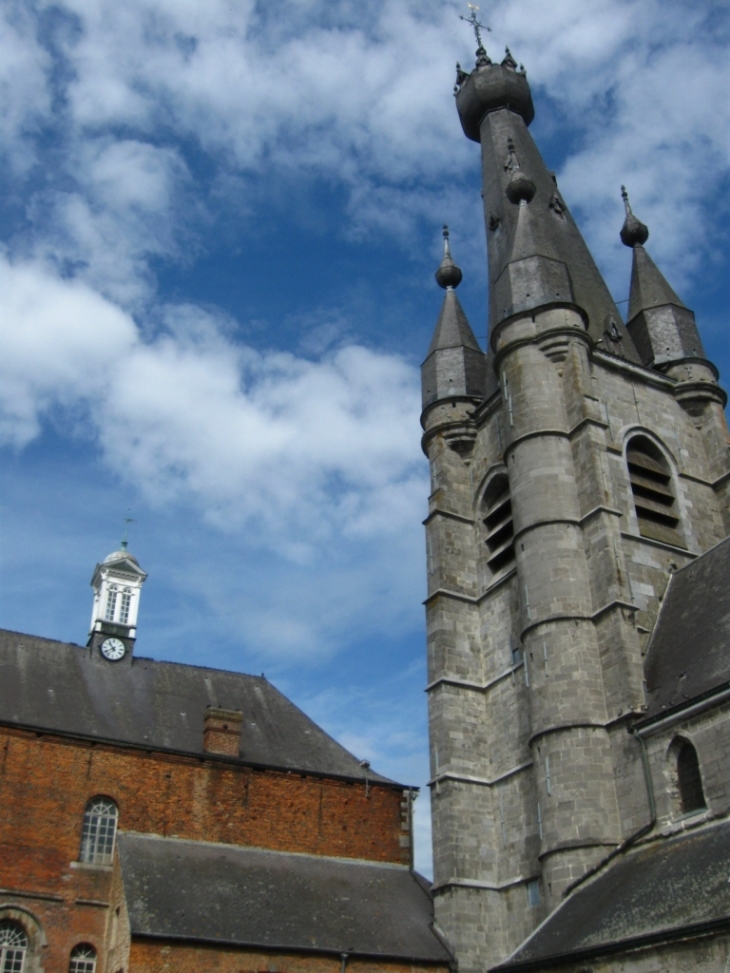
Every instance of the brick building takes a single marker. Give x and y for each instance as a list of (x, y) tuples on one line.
[(578, 607), (161, 817)]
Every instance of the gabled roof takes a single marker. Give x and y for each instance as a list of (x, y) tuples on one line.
[(63, 687), (652, 895), (689, 651), (251, 897)]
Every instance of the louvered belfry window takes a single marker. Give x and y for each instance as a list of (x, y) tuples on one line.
[(651, 484), (498, 522)]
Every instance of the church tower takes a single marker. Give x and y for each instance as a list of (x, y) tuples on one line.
[(575, 464)]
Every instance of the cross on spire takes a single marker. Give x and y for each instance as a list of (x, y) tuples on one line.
[(478, 28)]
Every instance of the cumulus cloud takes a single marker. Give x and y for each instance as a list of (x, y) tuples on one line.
[(288, 444)]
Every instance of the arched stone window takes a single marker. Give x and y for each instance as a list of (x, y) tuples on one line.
[(14, 944), (83, 959), (651, 485), (689, 779), (497, 518), (99, 831)]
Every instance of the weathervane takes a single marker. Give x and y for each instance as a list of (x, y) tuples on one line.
[(478, 28), (127, 521)]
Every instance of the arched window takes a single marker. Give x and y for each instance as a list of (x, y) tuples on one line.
[(111, 603), (651, 484), (125, 602), (83, 959), (689, 779), (13, 946), (497, 517), (99, 831)]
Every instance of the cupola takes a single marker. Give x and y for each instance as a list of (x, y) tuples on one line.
[(117, 584)]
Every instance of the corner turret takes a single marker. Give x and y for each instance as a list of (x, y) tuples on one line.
[(455, 364), (662, 327)]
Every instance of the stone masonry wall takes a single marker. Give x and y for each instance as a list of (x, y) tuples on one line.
[(482, 706)]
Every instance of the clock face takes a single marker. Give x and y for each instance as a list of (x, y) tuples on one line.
[(113, 649)]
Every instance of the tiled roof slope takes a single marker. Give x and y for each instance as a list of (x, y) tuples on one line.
[(689, 652), (653, 894), (63, 687), (253, 897)]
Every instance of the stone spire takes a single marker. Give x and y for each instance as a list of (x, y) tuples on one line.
[(662, 327), (495, 108), (454, 365)]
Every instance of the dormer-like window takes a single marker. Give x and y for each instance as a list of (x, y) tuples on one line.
[(99, 831), (689, 779), (651, 485), (13, 947), (497, 519)]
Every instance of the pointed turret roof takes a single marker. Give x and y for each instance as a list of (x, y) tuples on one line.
[(495, 108), (454, 365), (649, 286), (452, 327), (662, 326)]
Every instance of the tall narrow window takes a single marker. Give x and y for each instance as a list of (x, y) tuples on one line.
[(83, 959), (651, 484), (13, 946), (498, 521), (99, 831), (111, 603), (689, 779), (125, 602)]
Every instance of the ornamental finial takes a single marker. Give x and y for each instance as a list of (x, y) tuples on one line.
[(634, 233), (448, 275), (482, 58)]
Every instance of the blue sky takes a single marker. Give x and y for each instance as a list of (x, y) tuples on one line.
[(219, 224)]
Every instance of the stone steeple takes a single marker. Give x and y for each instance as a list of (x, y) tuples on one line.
[(455, 364), (570, 473), (495, 108), (662, 327)]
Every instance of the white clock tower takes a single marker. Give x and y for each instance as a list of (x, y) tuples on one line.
[(117, 584)]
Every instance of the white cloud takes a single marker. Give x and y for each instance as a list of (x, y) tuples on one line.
[(60, 341), (24, 96), (291, 446)]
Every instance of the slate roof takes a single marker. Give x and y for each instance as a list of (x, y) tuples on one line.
[(689, 651), (272, 899), (653, 894), (67, 688)]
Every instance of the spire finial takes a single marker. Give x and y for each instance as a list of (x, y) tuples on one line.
[(447, 248), (482, 59), (634, 233), (127, 521), (448, 275)]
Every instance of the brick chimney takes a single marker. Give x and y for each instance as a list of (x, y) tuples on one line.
[(222, 731)]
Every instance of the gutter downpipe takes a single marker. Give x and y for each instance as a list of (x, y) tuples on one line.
[(619, 849)]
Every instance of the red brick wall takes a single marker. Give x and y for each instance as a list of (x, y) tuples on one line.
[(45, 783), (151, 956)]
